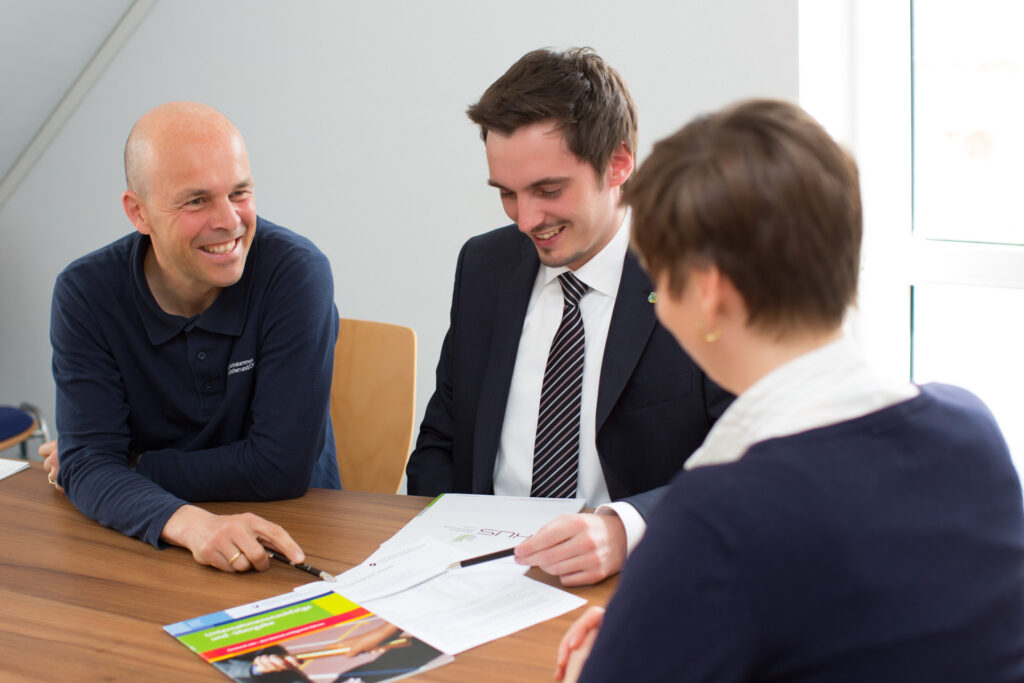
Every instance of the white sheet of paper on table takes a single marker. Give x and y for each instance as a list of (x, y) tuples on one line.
[(453, 609), (393, 569), (9, 467), (407, 580), (478, 524), (463, 608)]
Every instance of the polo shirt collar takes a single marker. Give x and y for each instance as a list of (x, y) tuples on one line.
[(225, 316)]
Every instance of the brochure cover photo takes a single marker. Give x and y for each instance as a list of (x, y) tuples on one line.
[(321, 638)]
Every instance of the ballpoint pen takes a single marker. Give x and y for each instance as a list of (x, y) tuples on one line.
[(497, 555), (309, 569)]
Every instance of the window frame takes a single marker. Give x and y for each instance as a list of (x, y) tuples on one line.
[(856, 77)]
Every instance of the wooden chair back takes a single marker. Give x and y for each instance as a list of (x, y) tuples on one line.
[(373, 403)]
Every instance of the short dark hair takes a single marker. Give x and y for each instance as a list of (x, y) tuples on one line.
[(762, 192), (585, 96)]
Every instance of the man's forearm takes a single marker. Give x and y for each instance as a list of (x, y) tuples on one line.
[(102, 486), (257, 468)]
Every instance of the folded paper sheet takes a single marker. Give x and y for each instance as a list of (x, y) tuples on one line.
[(407, 580)]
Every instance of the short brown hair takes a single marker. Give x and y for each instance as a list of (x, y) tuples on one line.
[(761, 191), (586, 97)]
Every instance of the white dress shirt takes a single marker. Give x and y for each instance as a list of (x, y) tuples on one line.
[(513, 469), (826, 386)]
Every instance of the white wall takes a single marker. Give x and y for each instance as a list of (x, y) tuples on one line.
[(43, 47), (353, 114)]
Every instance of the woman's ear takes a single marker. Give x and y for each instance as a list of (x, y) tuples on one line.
[(708, 281), (721, 304)]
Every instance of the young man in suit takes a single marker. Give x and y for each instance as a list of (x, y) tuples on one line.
[(560, 130)]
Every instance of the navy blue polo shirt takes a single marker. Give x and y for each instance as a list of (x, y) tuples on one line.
[(232, 404)]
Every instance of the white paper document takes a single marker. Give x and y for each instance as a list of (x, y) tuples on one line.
[(478, 524), (409, 580), (9, 467), (392, 569), (463, 608)]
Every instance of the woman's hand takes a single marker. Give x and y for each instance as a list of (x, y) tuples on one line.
[(576, 644)]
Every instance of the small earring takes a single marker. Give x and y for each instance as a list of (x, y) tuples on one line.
[(709, 337)]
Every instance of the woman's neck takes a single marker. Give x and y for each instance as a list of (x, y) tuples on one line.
[(752, 354)]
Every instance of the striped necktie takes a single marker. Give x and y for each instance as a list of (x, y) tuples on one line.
[(556, 451)]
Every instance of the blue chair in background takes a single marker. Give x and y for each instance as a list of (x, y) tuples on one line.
[(18, 425)]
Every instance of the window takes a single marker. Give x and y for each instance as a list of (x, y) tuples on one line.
[(929, 96), (968, 109)]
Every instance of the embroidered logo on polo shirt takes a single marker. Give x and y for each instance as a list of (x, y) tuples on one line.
[(241, 366)]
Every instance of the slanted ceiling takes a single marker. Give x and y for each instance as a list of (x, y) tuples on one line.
[(45, 47)]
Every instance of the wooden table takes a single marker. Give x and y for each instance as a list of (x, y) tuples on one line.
[(80, 602)]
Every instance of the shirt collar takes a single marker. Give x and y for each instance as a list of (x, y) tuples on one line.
[(225, 316), (603, 272), (825, 386)]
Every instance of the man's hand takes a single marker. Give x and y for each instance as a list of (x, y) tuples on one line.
[(576, 645), (231, 543), (48, 452), (579, 549)]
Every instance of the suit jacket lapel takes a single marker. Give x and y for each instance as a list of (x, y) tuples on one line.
[(631, 326), (515, 285)]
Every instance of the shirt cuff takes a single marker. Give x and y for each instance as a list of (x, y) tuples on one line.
[(632, 520)]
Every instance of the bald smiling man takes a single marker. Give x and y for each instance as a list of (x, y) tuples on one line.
[(193, 357)]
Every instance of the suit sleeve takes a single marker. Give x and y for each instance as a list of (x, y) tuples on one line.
[(431, 466), (716, 401), (645, 502)]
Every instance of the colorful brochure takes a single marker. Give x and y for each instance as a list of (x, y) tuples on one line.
[(316, 636)]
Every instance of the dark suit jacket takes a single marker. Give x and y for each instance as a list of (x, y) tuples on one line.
[(654, 405)]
